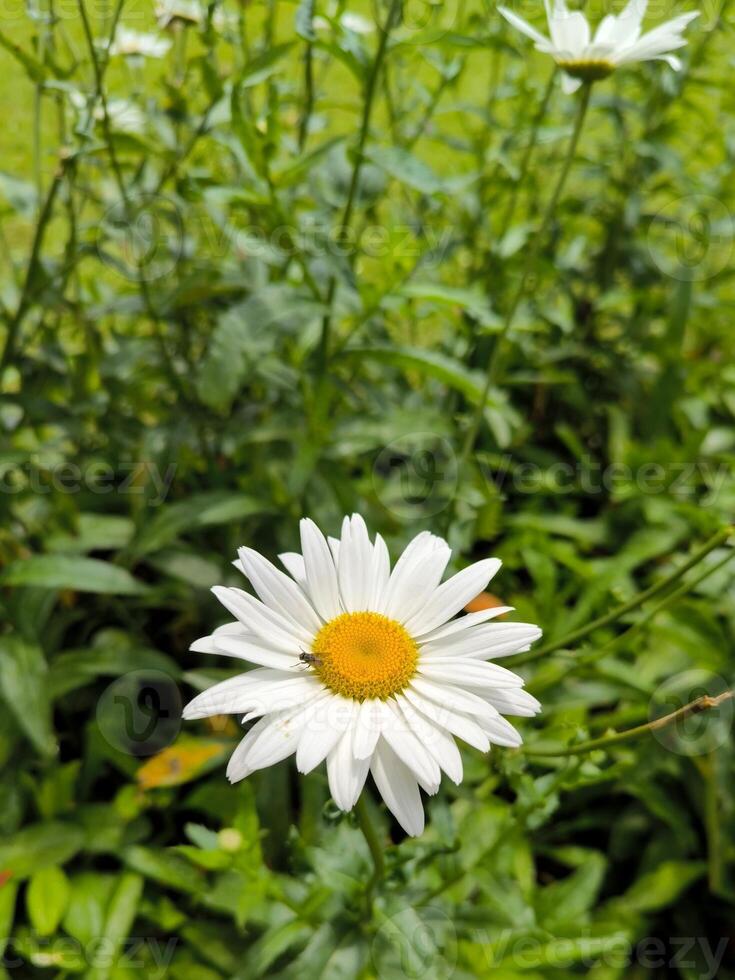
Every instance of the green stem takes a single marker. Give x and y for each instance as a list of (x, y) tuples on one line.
[(367, 111), (527, 154), (576, 635), (705, 703), (708, 770), (376, 848), (25, 296), (640, 624), (531, 255)]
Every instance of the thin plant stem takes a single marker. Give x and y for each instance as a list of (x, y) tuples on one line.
[(526, 158), (25, 296), (98, 68), (531, 255), (376, 848), (708, 769), (308, 95), (636, 627), (704, 703), (367, 111), (619, 611)]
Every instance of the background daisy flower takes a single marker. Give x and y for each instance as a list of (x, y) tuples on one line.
[(365, 666), (617, 41)]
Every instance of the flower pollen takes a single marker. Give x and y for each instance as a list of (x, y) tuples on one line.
[(364, 655)]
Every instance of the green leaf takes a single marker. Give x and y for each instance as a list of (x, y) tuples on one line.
[(73, 669), (569, 900), (85, 913), (121, 914), (471, 300), (297, 169), (243, 334), (23, 685), (445, 369), (260, 68), (407, 168), (166, 868), (8, 893), (94, 532), (22, 197), (498, 414), (39, 846), (33, 67), (72, 572), (198, 510), (662, 886), (47, 897)]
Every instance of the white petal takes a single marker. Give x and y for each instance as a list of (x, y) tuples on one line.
[(326, 722), (346, 774), (269, 741), (416, 576), (463, 623), (368, 724), (447, 695), (380, 574), (398, 788), (256, 693), (500, 731), (484, 642), (293, 562), (521, 25), (397, 733), (570, 32), (452, 596), (513, 702), (355, 563), (470, 673), (218, 698), (321, 575), (436, 741), (277, 590), (285, 634), (254, 650), (569, 84), (455, 722)]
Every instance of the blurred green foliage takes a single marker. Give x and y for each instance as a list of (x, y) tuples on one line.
[(170, 255)]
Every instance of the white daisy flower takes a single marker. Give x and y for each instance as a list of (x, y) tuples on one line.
[(184, 12), (137, 44), (617, 41), (366, 667)]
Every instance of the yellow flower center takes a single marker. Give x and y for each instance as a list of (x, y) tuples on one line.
[(364, 655), (589, 71)]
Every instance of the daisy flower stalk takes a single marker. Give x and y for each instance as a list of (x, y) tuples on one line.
[(366, 667), (617, 41)]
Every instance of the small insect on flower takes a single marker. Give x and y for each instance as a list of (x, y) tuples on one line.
[(310, 659)]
